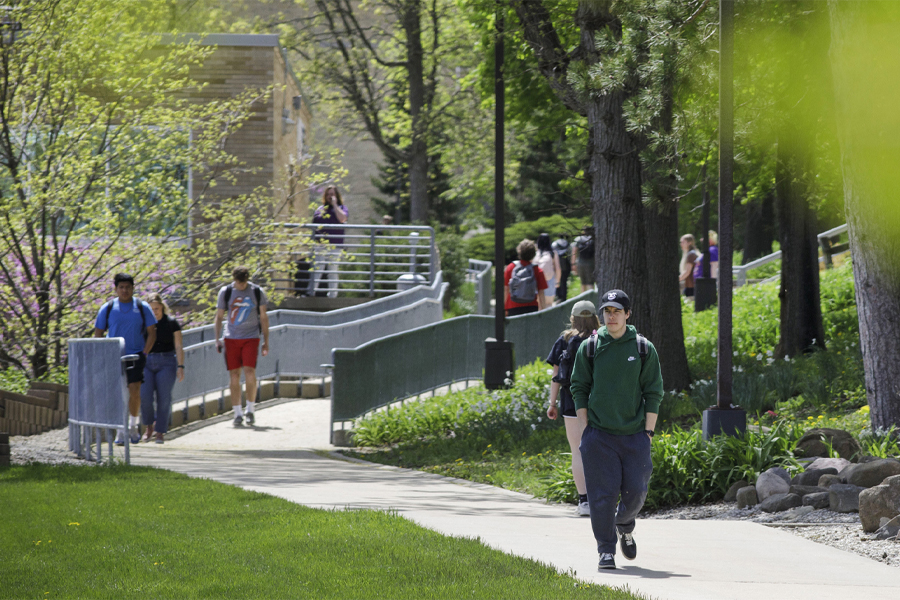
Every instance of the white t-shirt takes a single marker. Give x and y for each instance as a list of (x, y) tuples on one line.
[(545, 262)]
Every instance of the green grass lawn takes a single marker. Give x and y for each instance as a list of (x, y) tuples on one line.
[(129, 532)]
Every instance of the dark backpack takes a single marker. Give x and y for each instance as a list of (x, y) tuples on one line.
[(642, 344), (585, 247), (567, 362), (256, 292), (523, 284), (140, 306), (561, 247)]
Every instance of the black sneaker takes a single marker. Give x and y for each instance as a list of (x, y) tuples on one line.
[(607, 561), (251, 419), (238, 421), (628, 546)]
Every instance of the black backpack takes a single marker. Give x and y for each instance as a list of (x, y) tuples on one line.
[(561, 247), (140, 307), (642, 344), (523, 284), (585, 247), (567, 362), (256, 292)]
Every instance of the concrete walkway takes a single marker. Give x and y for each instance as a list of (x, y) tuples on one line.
[(287, 455)]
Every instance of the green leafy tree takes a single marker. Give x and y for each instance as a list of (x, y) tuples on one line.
[(393, 183), (95, 146), (391, 70)]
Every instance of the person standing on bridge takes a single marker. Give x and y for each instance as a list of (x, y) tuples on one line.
[(244, 303), (131, 319), (617, 387), (332, 212)]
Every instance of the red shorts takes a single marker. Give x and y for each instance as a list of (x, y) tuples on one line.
[(241, 353)]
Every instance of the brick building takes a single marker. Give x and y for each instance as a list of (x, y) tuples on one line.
[(272, 140)]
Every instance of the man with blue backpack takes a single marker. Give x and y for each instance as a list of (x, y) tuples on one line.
[(241, 306), (617, 388), (131, 319)]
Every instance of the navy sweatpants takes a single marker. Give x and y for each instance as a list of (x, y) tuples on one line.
[(617, 470)]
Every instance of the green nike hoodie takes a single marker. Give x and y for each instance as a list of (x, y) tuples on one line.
[(621, 388)]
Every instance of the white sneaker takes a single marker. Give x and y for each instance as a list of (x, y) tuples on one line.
[(583, 509), (120, 438)]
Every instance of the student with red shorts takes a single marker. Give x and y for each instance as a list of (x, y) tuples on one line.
[(245, 305)]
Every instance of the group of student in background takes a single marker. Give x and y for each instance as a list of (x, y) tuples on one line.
[(152, 334), (691, 267), (539, 277)]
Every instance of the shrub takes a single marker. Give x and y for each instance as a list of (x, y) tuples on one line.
[(515, 412)]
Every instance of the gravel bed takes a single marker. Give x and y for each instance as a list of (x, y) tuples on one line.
[(840, 530)]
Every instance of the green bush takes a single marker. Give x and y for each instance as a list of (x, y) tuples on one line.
[(481, 246), (515, 412), (454, 263), (14, 380)]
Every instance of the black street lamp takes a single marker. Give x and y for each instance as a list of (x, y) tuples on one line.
[(499, 365), (725, 417)]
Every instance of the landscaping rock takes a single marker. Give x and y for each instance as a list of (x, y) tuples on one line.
[(811, 476), (879, 502), (829, 463), (872, 473), (746, 497), (890, 528), (817, 500), (841, 442), (797, 514), (731, 494), (826, 481), (780, 503), (802, 490), (772, 482), (844, 498)]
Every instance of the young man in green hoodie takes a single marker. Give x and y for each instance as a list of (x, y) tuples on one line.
[(617, 395)]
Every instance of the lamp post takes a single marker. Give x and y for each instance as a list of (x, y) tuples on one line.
[(725, 417), (499, 365)]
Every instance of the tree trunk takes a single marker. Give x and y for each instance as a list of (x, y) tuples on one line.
[(418, 151), (667, 331), (759, 231), (801, 312), (866, 69), (619, 256)]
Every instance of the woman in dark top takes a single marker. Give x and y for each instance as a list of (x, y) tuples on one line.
[(582, 323), (164, 363)]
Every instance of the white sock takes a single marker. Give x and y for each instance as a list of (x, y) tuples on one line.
[(251, 406), (133, 421), (238, 411)]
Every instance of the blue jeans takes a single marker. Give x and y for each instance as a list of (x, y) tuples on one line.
[(617, 470), (159, 379)]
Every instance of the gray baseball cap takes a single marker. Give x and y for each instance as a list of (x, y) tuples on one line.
[(584, 308)]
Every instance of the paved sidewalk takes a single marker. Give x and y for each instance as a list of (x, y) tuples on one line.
[(287, 455)]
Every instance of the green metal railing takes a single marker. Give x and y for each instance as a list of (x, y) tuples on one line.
[(407, 364)]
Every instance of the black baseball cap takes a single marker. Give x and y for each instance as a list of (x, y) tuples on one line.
[(616, 298)]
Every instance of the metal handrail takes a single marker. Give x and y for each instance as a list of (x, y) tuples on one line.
[(376, 254), (480, 272), (740, 271)]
